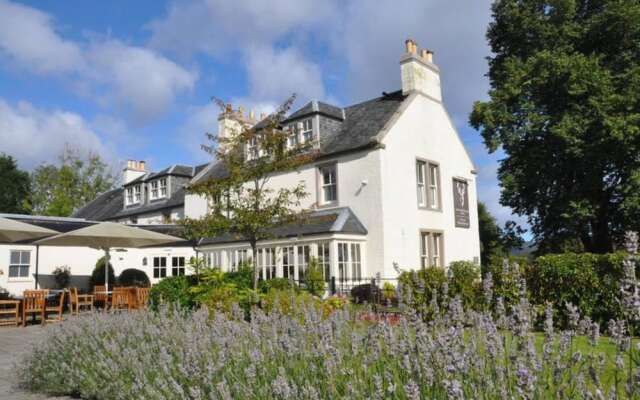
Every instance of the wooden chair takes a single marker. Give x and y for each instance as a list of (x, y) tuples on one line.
[(142, 295), (100, 295), (120, 299), (58, 309), (12, 308), (33, 302), (76, 301)]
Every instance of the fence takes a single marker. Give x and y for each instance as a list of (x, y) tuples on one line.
[(343, 286)]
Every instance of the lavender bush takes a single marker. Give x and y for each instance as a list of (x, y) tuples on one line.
[(456, 354)]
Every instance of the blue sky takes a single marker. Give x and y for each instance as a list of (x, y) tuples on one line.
[(133, 79)]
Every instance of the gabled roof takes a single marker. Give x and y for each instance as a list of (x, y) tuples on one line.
[(358, 130), (174, 170), (103, 207), (335, 220)]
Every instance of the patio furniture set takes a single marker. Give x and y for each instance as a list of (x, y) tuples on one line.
[(48, 305)]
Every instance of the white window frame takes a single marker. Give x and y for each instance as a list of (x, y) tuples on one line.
[(431, 248), (154, 190), (253, 152), (324, 187), (288, 262), (163, 187), (303, 256), (307, 131), (180, 268), (323, 254), (137, 194), (159, 270), (343, 261), (129, 198), (21, 264), (428, 185)]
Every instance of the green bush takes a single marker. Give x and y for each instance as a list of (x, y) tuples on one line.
[(288, 302), (242, 278), (366, 293), (589, 281), (174, 290), (97, 276), (314, 278), (464, 281), (134, 277), (276, 283), (62, 276), (419, 287)]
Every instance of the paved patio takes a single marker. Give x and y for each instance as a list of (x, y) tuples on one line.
[(14, 342)]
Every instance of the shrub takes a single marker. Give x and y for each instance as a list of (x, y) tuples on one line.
[(287, 302), (62, 276), (418, 288), (314, 279), (173, 290), (588, 281), (366, 293), (242, 278), (389, 291), (134, 277), (97, 276), (276, 283), (332, 304), (464, 281)]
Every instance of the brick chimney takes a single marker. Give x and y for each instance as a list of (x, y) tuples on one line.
[(133, 170), (418, 72)]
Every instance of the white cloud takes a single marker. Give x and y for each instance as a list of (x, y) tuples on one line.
[(276, 74), (34, 135), (27, 36), (137, 77), (137, 80)]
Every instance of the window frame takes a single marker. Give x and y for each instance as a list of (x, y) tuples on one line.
[(306, 133), (423, 188), (154, 189), (178, 268), (427, 239), (163, 188), (159, 271), (21, 264), (321, 185), (129, 195)]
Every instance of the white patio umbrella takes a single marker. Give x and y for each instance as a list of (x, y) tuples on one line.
[(15, 231), (106, 235)]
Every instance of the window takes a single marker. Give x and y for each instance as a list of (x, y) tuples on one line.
[(307, 130), (137, 194), (292, 140), (428, 182), (431, 249), (356, 261), (163, 187), (252, 148), (328, 184), (288, 262), (214, 259), (304, 253), (154, 190), (19, 262), (267, 262), (177, 266), (129, 195), (238, 258), (343, 261), (159, 267), (324, 259)]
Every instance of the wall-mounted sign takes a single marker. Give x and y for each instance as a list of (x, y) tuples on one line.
[(461, 203)]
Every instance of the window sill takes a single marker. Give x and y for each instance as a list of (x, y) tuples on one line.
[(425, 208), (332, 204), (19, 280)]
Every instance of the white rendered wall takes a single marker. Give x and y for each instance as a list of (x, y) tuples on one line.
[(81, 261), (424, 131)]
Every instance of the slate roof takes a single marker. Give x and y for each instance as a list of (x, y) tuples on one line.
[(176, 200), (175, 170), (103, 207), (358, 130), (335, 220)]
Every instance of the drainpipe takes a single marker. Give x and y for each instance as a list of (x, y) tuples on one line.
[(37, 263)]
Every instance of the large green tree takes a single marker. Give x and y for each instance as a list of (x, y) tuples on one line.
[(565, 109), (243, 202), (496, 241), (61, 189), (14, 182)]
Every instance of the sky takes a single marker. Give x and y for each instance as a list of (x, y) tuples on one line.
[(134, 79)]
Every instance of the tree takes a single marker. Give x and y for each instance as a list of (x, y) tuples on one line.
[(496, 241), (243, 204), (59, 190), (565, 109), (15, 186)]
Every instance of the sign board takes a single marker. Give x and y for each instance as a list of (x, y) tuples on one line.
[(461, 203)]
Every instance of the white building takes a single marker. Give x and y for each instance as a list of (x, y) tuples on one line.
[(394, 188)]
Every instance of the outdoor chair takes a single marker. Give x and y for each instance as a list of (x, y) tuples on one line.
[(11, 308), (76, 301), (120, 299), (100, 295), (57, 309), (33, 302), (142, 295)]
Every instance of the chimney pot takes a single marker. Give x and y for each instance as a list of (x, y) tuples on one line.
[(429, 55), (411, 46), (142, 165), (252, 115), (240, 111)]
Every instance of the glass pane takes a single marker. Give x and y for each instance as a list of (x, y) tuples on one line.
[(15, 257), (24, 271), (26, 257)]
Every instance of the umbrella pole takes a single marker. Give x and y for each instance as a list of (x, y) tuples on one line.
[(37, 263), (106, 268)]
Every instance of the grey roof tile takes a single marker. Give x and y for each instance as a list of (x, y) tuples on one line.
[(335, 220)]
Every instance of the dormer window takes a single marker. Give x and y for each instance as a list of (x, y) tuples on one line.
[(129, 195), (163, 187), (292, 140), (137, 193), (307, 130), (252, 149), (154, 190)]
